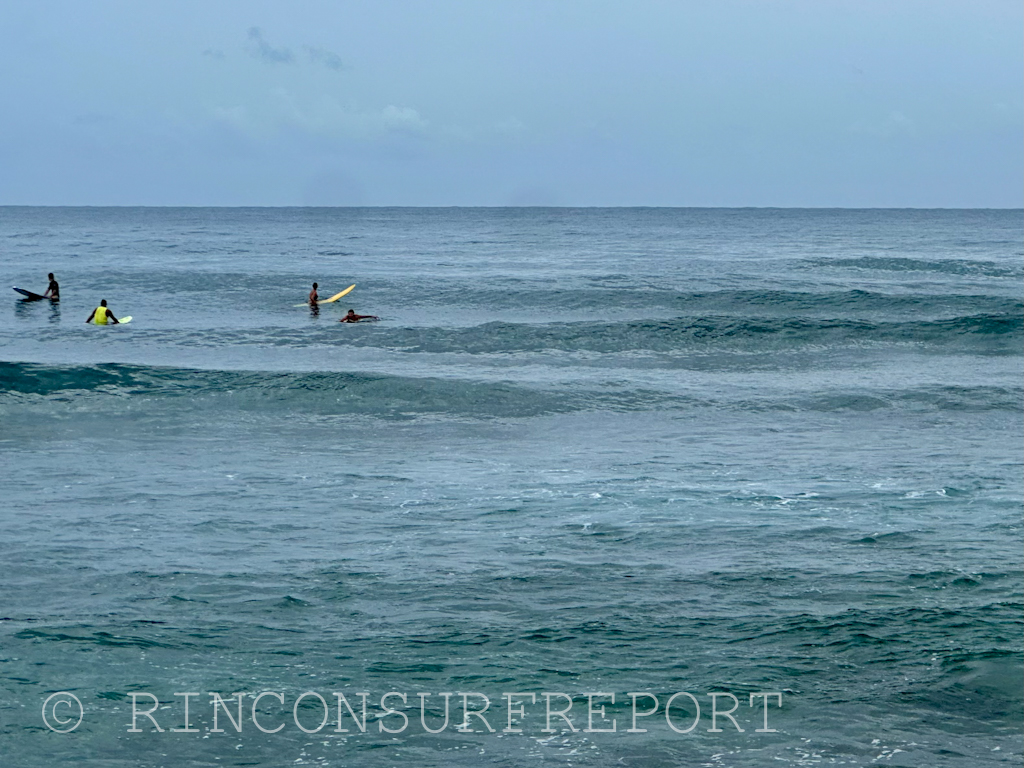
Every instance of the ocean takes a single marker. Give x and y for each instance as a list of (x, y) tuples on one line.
[(676, 472)]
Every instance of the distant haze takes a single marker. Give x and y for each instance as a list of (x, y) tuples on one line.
[(863, 103)]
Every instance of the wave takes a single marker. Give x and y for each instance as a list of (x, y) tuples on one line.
[(638, 294), (982, 334), (856, 301), (317, 392), (988, 334), (392, 396), (606, 294), (980, 268)]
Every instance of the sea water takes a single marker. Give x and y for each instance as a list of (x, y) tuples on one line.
[(769, 458)]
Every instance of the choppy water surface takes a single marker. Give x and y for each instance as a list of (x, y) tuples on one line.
[(712, 451)]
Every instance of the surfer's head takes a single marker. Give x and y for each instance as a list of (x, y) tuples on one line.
[(50, 276), (314, 285), (103, 302)]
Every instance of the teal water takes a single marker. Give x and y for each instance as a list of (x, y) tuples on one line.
[(651, 450)]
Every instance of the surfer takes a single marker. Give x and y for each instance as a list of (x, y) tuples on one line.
[(53, 292), (102, 315), (313, 297), (352, 317)]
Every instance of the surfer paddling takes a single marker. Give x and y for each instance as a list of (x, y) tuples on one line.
[(101, 315), (352, 317)]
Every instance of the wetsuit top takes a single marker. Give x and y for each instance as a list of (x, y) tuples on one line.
[(54, 290), (100, 318)]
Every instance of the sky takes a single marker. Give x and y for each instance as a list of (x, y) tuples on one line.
[(803, 103)]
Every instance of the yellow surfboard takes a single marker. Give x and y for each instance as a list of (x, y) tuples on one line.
[(333, 298), (337, 296)]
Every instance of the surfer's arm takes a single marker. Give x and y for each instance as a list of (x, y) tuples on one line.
[(89, 319), (110, 315)]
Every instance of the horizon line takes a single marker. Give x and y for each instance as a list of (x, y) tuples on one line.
[(540, 207)]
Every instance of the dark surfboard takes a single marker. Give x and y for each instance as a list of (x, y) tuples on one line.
[(29, 296)]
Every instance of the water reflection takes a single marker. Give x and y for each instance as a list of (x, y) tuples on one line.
[(28, 308)]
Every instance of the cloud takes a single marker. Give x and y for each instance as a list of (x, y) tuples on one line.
[(329, 59), (259, 48), (402, 118), (282, 111)]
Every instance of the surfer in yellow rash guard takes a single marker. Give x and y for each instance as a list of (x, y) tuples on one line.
[(101, 315)]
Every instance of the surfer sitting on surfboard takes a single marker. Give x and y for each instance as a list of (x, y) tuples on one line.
[(101, 315), (53, 292), (352, 317)]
